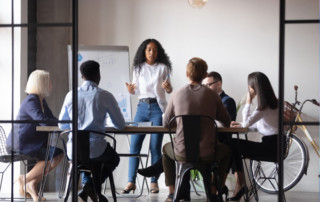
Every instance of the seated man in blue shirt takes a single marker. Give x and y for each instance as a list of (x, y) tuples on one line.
[(94, 104)]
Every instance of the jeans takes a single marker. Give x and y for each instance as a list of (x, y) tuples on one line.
[(145, 112)]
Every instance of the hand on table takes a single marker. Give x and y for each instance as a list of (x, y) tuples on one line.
[(235, 124)]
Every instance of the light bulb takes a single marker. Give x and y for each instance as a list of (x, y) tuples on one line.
[(197, 3)]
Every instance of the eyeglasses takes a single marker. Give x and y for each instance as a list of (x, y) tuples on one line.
[(209, 84)]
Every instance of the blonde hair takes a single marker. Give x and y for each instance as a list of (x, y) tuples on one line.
[(197, 69), (38, 83)]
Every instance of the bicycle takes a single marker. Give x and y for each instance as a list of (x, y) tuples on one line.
[(296, 159)]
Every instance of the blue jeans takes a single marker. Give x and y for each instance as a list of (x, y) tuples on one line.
[(145, 112)]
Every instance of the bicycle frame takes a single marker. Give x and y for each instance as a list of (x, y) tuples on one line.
[(307, 134), (298, 119)]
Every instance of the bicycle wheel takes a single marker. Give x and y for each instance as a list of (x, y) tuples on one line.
[(294, 166)]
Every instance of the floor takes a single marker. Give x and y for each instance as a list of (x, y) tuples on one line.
[(263, 197)]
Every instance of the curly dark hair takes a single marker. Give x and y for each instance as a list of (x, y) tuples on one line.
[(140, 56)]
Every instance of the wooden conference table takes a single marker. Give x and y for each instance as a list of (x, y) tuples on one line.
[(127, 130), (140, 129)]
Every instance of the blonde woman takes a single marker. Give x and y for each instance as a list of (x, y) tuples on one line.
[(26, 139)]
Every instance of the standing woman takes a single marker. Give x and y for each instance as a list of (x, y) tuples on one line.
[(150, 81), (27, 140), (264, 118)]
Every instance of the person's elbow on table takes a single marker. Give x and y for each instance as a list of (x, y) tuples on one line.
[(235, 124)]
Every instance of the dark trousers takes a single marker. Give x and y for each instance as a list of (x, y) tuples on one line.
[(101, 166), (222, 156), (267, 149)]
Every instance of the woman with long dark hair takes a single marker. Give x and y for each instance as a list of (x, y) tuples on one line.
[(264, 118), (151, 81)]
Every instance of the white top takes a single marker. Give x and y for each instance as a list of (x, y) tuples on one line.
[(266, 121), (148, 82)]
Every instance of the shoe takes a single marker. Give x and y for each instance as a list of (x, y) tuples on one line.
[(183, 198), (102, 198), (87, 191), (154, 188), (238, 196), (152, 171), (128, 190), (82, 196), (169, 198), (225, 191), (214, 198)]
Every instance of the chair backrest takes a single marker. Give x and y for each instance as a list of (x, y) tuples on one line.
[(3, 140), (83, 146), (192, 129)]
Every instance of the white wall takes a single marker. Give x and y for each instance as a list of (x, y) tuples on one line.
[(234, 37)]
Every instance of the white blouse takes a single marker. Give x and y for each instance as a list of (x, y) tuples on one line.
[(149, 82), (265, 121)]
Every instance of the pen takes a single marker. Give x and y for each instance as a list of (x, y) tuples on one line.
[(168, 75)]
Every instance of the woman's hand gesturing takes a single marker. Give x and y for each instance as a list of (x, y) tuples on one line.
[(167, 86), (131, 87)]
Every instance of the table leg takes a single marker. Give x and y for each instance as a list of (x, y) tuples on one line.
[(48, 158)]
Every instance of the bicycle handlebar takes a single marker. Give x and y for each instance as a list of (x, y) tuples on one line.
[(313, 101)]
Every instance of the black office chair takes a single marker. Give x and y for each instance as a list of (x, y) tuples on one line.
[(85, 164), (6, 157), (192, 130)]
